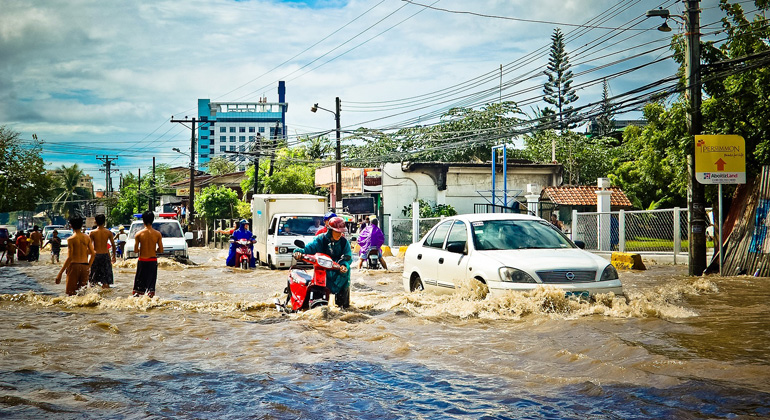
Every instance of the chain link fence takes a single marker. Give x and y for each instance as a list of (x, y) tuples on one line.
[(398, 231), (652, 231)]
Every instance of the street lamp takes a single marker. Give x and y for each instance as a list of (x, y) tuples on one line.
[(338, 153), (696, 190)]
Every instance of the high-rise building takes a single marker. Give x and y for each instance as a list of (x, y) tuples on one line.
[(240, 127)]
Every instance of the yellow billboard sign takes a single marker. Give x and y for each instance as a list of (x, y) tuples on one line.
[(720, 159)]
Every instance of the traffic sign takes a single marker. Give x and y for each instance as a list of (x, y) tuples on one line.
[(720, 159)]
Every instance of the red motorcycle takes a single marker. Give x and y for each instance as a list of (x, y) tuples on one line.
[(304, 290), (242, 253)]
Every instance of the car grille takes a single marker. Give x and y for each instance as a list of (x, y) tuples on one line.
[(562, 276)]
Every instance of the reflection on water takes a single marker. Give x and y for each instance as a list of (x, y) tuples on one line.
[(211, 345)]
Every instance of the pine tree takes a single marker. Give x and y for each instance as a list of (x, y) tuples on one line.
[(605, 123), (558, 91)]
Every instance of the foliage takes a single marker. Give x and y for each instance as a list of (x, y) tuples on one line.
[(68, 193), (219, 165), (558, 90), (23, 179), (292, 174), (131, 199), (463, 135), (604, 122), (216, 202), (585, 159), (243, 208), (428, 209), (318, 148)]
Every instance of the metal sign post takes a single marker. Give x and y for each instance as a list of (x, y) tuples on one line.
[(720, 159)]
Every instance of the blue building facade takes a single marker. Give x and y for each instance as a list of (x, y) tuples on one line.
[(239, 127)]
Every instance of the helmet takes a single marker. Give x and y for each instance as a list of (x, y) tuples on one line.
[(243, 222), (329, 215), (337, 224)]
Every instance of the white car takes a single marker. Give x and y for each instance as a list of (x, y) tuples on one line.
[(63, 234), (174, 239), (506, 252)]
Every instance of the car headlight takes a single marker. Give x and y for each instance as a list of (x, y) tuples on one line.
[(283, 250), (610, 273), (514, 275), (180, 253)]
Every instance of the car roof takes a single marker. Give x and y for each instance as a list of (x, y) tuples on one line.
[(477, 217)]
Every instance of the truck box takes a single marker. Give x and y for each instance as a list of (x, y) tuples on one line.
[(279, 220)]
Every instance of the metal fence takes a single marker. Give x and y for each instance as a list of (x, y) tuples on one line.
[(400, 232), (651, 231)]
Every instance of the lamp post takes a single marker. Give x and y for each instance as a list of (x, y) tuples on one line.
[(696, 190), (204, 122), (337, 152)]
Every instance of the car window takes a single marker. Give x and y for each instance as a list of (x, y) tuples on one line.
[(298, 225), (166, 229), (436, 240), (458, 234), (64, 234), (517, 234)]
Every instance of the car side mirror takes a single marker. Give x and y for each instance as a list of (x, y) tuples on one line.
[(299, 244), (580, 244), (188, 235), (456, 247)]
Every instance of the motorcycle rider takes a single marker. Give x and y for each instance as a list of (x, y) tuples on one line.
[(371, 237), (325, 229), (333, 244), (242, 232)]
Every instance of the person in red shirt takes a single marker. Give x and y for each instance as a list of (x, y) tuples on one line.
[(328, 216), (22, 246)]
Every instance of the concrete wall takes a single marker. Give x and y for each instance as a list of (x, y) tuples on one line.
[(401, 188)]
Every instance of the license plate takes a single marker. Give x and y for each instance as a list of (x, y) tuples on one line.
[(580, 294)]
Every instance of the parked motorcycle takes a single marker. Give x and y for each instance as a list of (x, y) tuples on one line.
[(242, 253), (305, 290)]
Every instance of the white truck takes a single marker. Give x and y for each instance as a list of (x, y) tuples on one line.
[(279, 220)]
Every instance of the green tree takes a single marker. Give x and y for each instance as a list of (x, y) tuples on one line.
[(23, 179), (244, 210), (219, 165), (558, 90), (605, 123), (68, 194), (216, 202), (293, 173)]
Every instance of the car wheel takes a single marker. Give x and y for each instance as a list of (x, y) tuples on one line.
[(270, 262), (415, 283)]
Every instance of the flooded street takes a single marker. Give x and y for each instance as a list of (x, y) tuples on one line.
[(211, 345)]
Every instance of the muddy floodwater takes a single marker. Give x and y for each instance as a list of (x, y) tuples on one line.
[(210, 345)]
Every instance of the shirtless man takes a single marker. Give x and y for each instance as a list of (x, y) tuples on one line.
[(35, 242), (80, 256), (148, 242), (101, 269)]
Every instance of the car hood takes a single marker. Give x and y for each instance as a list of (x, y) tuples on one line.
[(546, 259)]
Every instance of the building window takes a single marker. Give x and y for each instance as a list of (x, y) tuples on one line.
[(204, 156), (261, 129), (204, 137), (211, 152), (232, 148), (242, 168), (242, 148), (251, 138), (223, 129), (232, 129), (211, 133), (251, 129), (241, 129), (241, 138), (204, 118), (232, 138), (222, 138), (222, 148)]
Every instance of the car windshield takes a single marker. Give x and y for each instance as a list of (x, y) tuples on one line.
[(299, 225), (166, 229), (517, 234), (63, 234)]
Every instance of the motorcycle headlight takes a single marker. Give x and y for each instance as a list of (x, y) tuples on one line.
[(514, 275), (610, 273)]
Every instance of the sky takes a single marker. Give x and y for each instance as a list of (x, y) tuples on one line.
[(94, 77)]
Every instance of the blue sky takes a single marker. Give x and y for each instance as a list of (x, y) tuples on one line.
[(93, 77)]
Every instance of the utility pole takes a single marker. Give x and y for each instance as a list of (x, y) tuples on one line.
[(193, 150), (151, 204), (696, 193), (139, 191), (338, 156), (256, 154), (107, 159)]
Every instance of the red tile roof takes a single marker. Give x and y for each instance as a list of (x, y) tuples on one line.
[(584, 195)]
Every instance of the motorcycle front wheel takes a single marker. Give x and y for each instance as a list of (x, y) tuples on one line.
[(245, 264)]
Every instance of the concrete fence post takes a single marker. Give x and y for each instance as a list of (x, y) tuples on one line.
[(622, 231), (677, 232), (415, 221), (573, 234)]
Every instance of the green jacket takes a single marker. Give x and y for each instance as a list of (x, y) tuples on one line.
[(324, 244)]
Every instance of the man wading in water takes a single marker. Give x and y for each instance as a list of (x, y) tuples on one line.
[(148, 241), (101, 269), (80, 256)]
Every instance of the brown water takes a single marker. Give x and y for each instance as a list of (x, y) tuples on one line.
[(211, 345)]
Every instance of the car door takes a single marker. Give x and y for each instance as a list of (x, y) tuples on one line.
[(453, 261), (429, 254)]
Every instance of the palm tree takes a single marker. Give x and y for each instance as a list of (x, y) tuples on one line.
[(68, 191)]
